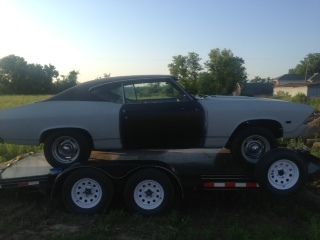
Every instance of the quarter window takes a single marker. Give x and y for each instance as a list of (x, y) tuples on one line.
[(111, 92)]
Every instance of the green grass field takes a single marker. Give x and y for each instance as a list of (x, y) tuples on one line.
[(238, 215), (9, 101), (9, 151)]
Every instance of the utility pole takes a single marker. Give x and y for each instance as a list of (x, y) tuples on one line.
[(305, 74)]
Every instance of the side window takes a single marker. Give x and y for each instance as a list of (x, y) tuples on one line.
[(155, 91), (129, 93), (111, 92)]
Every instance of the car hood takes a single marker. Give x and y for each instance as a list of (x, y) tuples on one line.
[(243, 109), (238, 98), (252, 101)]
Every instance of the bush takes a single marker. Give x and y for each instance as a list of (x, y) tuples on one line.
[(300, 98)]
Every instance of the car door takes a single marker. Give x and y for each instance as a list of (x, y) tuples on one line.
[(159, 114)]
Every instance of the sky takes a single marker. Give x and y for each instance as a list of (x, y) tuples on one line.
[(128, 37)]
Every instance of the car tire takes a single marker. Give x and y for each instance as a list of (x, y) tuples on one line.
[(149, 192), (281, 172), (87, 191), (64, 148), (250, 144)]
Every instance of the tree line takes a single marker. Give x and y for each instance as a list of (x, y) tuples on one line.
[(221, 73), (218, 75), (17, 76)]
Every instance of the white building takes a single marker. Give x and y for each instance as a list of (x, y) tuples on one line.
[(293, 84)]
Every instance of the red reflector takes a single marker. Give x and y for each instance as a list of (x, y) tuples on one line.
[(22, 184), (230, 185), (252, 185), (208, 184)]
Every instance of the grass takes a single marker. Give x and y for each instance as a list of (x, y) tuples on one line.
[(215, 215), (9, 101), (9, 151)]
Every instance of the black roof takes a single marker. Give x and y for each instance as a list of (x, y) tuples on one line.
[(257, 89), (289, 77), (81, 92)]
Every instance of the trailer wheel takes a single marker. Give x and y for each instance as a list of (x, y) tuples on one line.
[(281, 171), (87, 191), (149, 192)]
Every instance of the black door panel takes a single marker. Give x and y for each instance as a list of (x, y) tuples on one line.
[(162, 125)]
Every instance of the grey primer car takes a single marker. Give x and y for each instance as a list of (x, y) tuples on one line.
[(143, 112)]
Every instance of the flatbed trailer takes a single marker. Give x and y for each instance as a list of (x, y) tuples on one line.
[(150, 181)]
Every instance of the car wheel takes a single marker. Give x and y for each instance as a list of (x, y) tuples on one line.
[(250, 144), (64, 148), (149, 192), (281, 171), (87, 191)]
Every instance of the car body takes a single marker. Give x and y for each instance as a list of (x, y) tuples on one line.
[(151, 111)]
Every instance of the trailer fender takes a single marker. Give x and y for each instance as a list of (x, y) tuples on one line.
[(58, 181), (171, 173)]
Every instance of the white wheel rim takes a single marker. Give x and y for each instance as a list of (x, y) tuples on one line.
[(148, 194), (86, 193), (283, 174)]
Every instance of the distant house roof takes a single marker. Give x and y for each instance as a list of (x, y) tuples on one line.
[(314, 78), (288, 79), (257, 89), (294, 80), (307, 84)]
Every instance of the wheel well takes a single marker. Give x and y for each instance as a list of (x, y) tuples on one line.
[(272, 125), (46, 133)]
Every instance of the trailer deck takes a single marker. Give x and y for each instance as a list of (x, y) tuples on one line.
[(214, 167)]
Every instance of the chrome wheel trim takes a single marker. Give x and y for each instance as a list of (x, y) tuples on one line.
[(253, 147), (65, 149)]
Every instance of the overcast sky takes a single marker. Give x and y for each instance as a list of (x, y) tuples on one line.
[(125, 37)]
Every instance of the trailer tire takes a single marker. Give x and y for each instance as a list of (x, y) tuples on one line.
[(281, 172), (87, 191), (149, 192)]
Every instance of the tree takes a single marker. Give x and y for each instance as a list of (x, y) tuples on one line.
[(206, 84), (17, 76), (104, 76), (66, 82), (258, 79), (308, 66), (224, 71), (186, 69), (12, 72)]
